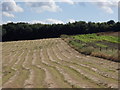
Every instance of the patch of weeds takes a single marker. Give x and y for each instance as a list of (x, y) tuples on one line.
[(87, 50), (64, 36), (76, 44)]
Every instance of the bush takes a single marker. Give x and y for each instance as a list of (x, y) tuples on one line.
[(87, 50), (64, 36)]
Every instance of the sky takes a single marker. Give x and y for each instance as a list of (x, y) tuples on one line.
[(58, 12)]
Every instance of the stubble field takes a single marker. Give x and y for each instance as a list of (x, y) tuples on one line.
[(51, 63)]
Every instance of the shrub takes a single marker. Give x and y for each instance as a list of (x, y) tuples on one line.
[(64, 36), (87, 50)]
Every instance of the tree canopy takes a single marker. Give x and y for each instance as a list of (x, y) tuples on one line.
[(25, 31)]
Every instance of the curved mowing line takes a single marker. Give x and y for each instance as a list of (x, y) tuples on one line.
[(51, 59), (38, 71), (26, 68), (105, 74), (5, 59), (28, 83), (12, 58), (48, 81), (18, 81), (99, 81), (7, 47), (7, 84), (69, 77), (63, 51), (47, 64), (108, 64), (9, 64), (66, 65), (96, 79), (9, 67), (58, 64), (26, 61), (18, 61), (16, 74), (93, 68)]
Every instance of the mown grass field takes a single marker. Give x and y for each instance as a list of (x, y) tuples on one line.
[(51, 63), (99, 45)]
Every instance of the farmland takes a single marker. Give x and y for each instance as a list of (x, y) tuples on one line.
[(52, 63)]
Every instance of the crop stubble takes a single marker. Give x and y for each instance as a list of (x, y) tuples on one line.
[(51, 63)]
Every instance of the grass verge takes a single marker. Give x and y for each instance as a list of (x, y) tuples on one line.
[(101, 46)]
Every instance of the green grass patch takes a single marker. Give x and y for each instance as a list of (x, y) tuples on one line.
[(93, 38)]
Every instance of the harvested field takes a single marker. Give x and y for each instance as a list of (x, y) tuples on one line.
[(51, 63)]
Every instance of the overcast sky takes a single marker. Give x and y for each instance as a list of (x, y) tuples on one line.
[(59, 12)]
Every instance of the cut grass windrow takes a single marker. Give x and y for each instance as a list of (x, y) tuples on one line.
[(66, 59), (94, 66), (51, 63), (70, 76)]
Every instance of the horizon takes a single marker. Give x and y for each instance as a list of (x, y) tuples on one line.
[(58, 23)]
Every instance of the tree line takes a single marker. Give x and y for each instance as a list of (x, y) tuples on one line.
[(25, 31)]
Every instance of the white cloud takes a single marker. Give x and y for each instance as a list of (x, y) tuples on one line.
[(9, 21), (9, 6), (2, 22), (47, 21), (107, 9), (54, 21), (49, 5), (107, 5), (36, 21), (68, 1), (8, 14), (71, 20), (46, 5)]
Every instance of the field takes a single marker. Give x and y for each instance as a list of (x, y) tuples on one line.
[(103, 45), (51, 63)]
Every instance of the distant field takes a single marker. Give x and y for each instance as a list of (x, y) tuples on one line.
[(103, 45), (51, 63)]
